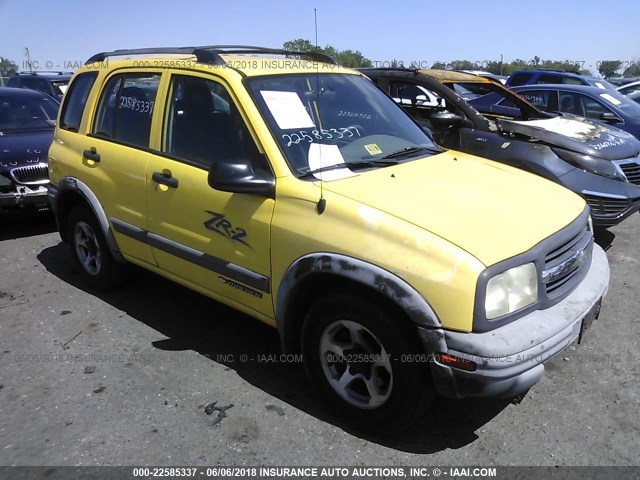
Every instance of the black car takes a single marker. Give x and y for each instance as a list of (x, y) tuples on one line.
[(27, 121), (51, 83), (596, 161)]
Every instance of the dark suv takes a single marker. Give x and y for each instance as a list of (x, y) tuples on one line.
[(53, 84), (601, 163), (533, 77)]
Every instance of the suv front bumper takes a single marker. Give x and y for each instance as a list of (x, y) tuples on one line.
[(510, 359)]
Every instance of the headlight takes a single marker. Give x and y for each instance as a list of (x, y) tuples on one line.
[(512, 290), (590, 164)]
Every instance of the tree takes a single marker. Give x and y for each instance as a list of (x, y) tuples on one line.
[(300, 45), (633, 70), (347, 58), (439, 66), (609, 68), (7, 67)]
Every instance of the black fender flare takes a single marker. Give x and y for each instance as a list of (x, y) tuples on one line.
[(78, 186), (388, 284)]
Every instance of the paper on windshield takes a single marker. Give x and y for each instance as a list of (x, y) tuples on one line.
[(287, 109), (610, 98), (321, 155)]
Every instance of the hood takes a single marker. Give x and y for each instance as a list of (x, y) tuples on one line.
[(577, 134), (24, 148), (486, 208)]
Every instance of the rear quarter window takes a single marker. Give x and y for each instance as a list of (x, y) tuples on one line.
[(76, 100)]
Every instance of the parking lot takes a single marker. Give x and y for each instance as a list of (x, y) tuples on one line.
[(124, 378)]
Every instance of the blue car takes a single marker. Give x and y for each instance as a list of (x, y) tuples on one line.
[(536, 77), (604, 106)]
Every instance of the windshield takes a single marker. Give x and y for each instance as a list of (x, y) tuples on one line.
[(621, 102), (27, 112), (320, 120)]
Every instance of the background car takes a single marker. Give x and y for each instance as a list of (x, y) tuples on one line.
[(534, 77), (589, 102), (635, 96), (629, 88), (27, 121), (51, 83), (598, 162)]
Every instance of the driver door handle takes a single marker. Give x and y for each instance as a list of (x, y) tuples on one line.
[(165, 179)]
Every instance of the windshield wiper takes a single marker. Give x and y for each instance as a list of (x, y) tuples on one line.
[(410, 150), (358, 164)]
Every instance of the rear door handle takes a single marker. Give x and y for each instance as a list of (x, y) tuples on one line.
[(165, 179), (91, 155)]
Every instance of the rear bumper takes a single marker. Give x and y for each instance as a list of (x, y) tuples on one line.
[(510, 359)]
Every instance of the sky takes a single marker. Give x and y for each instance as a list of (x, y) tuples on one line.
[(62, 34)]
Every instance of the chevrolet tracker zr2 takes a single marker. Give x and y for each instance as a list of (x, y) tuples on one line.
[(300, 194)]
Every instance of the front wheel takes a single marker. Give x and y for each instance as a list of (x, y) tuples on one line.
[(90, 252), (353, 351)]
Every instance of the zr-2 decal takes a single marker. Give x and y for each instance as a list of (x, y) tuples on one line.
[(219, 224)]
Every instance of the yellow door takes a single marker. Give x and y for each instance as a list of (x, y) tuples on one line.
[(217, 240)]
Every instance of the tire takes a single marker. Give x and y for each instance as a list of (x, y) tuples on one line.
[(402, 391), (91, 256)]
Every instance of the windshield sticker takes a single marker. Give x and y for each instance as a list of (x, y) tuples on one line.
[(611, 99), (321, 155), (505, 144), (373, 149), (564, 126), (287, 109), (600, 85)]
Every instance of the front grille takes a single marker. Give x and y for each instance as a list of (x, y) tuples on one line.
[(607, 206), (567, 264), (31, 175), (631, 171)]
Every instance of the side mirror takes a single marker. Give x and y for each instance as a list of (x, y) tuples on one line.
[(444, 120), (610, 117), (240, 178)]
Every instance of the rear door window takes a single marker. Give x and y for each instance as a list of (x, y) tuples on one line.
[(126, 107)]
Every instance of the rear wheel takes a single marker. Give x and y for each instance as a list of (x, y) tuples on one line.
[(353, 350), (90, 252)]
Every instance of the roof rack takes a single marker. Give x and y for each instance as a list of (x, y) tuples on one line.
[(202, 55), (210, 54), (243, 49)]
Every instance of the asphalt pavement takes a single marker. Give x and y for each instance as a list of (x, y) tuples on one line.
[(124, 378)]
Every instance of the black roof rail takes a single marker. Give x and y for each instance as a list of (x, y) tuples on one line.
[(210, 54), (202, 54), (244, 49)]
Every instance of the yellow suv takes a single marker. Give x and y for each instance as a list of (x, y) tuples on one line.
[(294, 190)]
